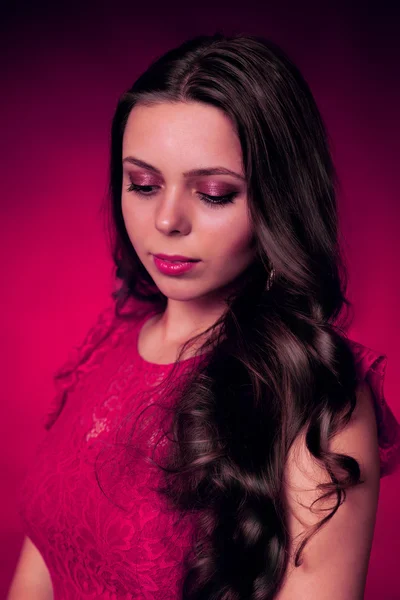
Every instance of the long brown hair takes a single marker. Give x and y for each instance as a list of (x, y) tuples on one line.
[(280, 364)]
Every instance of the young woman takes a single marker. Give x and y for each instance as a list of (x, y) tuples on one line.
[(216, 436)]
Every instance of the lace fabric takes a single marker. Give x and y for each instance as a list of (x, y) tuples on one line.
[(96, 518)]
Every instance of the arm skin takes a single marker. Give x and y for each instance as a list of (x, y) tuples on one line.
[(336, 558), (31, 579)]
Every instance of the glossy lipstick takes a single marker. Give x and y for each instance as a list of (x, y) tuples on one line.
[(173, 265)]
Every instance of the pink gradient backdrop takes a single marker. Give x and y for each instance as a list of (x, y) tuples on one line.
[(64, 72)]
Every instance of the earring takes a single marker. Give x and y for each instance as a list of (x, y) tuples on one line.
[(270, 279)]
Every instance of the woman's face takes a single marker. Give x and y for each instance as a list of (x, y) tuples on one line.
[(165, 201)]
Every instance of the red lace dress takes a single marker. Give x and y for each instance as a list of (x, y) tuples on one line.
[(100, 525)]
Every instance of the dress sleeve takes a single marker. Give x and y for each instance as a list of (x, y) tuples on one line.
[(82, 359), (371, 367)]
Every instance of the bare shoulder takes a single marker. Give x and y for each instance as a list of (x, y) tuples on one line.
[(335, 559)]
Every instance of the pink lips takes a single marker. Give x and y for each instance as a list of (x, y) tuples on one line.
[(173, 264), (175, 257)]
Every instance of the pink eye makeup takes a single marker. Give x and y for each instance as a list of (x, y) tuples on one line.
[(215, 194)]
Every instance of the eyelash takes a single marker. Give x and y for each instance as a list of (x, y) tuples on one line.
[(215, 202)]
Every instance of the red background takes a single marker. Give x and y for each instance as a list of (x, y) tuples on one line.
[(65, 68)]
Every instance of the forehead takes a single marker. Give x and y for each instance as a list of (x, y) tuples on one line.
[(192, 134)]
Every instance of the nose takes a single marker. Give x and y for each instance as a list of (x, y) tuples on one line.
[(172, 214)]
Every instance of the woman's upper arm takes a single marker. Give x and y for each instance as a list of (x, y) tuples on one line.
[(31, 580), (336, 558)]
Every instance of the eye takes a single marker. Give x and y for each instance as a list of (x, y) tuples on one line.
[(215, 201), (218, 200), (140, 189)]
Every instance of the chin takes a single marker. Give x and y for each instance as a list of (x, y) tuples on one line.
[(182, 290), (178, 295)]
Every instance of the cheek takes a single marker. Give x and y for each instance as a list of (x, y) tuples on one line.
[(125, 208), (234, 236), (133, 218)]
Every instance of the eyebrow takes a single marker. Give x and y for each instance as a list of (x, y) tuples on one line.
[(192, 173)]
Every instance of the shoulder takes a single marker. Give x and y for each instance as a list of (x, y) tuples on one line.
[(106, 330), (336, 557), (358, 439), (371, 368)]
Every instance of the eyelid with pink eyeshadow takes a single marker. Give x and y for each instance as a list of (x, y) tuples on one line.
[(217, 188), (211, 200)]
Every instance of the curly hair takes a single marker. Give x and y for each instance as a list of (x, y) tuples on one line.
[(278, 362)]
